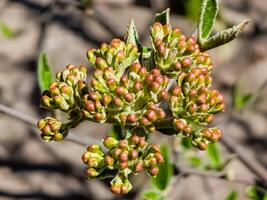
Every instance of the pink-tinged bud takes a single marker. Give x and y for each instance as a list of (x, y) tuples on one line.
[(164, 95), (109, 161), (203, 90), (191, 77), (142, 72), (200, 59), (131, 118), (155, 87), (120, 56), (123, 165), (142, 142), (206, 133), (124, 156), (220, 106), (137, 86), (159, 79), (176, 32), (151, 106), (118, 102), (135, 67), (151, 115), (207, 60), (120, 91), (174, 99), (219, 98), (181, 45), (176, 91), (192, 93), (123, 144), (91, 172), (124, 189), (144, 121), (161, 114), (106, 99), (196, 71), (116, 189), (165, 80), (104, 47), (201, 99), (152, 161), (186, 62), (212, 101), (124, 80), (159, 157), (191, 49), (216, 135), (134, 154), (89, 105), (115, 42), (86, 156), (203, 107), (54, 91), (98, 105), (187, 129), (157, 26), (158, 42), (192, 108), (177, 66), (117, 152), (154, 171), (191, 40), (94, 96), (135, 139), (155, 148), (138, 167), (155, 72), (202, 146), (45, 100), (209, 118), (162, 50), (110, 142), (129, 97), (46, 130), (149, 79), (100, 63), (179, 124), (98, 117)]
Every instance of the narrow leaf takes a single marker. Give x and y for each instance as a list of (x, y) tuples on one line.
[(192, 8), (131, 35), (44, 72), (240, 99), (214, 155), (232, 196), (208, 13), (6, 30), (224, 36), (163, 178), (152, 195), (163, 17)]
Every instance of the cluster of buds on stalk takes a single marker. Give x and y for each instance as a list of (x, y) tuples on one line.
[(65, 92), (137, 94), (124, 157)]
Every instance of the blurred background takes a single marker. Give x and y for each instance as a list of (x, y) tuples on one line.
[(65, 29)]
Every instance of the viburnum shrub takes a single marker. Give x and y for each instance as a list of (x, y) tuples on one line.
[(165, 89)]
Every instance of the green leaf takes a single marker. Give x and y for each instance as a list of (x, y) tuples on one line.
[(44, 72), (240, 99), (223, 37), (131, 35), (162, 180), (208, 13), (214, 155), (6, 30), (152, 195), (232, 196), (163, 17), (186, 142), (255, 193), (195, 161)]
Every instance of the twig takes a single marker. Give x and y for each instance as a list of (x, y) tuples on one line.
[(252, 165), (32, 121)]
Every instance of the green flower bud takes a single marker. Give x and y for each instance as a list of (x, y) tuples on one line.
[(110, 142)]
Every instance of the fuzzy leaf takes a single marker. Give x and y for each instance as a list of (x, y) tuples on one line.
[(208, 13), (131, 35), (6, 31), (162, 180), (152, 195), (255, 193), (44, 72), (214, 155), (240, 99), (163, 17), (223, 37), (232, 196)]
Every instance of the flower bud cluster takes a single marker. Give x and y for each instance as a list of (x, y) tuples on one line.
[(51, 128), (174, 52), (124, 157), (117, 55), (123, 94), (64, 93)]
